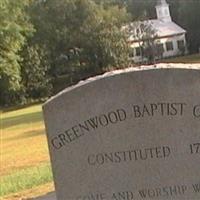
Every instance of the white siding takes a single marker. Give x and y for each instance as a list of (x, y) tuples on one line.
[(166, 54)]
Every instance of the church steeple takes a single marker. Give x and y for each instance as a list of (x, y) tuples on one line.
[(162, 10)]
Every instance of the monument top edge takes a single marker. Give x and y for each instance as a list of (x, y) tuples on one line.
[(188, 66)]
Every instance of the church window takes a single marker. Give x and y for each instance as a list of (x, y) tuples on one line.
[(180, 44), (138, 51), (169, 46)]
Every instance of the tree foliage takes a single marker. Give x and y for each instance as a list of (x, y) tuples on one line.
[(34, 72), (188, 17), (81, 34), (146, 35), (14, 28)]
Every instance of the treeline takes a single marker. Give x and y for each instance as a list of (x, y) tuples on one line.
[(44, 43)]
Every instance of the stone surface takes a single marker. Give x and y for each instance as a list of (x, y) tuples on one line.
[(127, 135)]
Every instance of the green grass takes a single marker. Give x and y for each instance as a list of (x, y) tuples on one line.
[(25, 179), (24, 151), (195, 58)]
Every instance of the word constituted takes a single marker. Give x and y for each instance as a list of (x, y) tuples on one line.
[(130, 155)]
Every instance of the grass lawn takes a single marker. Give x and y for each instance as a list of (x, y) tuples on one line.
[(195, 58), (24, 151)]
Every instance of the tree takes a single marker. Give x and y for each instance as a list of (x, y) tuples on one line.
[(106, 44), (189, 16), (108, 3), (149, 43), (138, 8), (14, 27), (80, 34), (146, 35), (34, 72)]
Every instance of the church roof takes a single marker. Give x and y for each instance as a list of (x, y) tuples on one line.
[(164, 29), (161, 28)]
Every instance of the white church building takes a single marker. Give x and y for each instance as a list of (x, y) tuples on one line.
[(170, 37)]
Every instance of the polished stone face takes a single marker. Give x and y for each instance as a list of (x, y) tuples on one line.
[(127, 135)]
